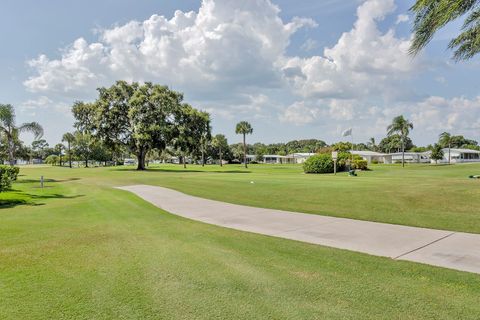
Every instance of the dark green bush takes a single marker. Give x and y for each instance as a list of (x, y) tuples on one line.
[(320, 163), (360, 164), (7, 175)]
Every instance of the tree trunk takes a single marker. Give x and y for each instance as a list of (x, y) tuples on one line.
[(403, 154), (449, 153), (141, 159), (69, 156), (244, 151), (221, 161), (184, 162), (86, 162), (203, 157), (11, 152)]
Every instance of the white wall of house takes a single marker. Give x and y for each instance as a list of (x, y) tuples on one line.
[(461, 155), (370, 156), (412, 157)]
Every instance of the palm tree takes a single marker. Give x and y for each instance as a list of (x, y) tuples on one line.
[(59, 148), (446, 140), (371, 143), (402, 127), (69, 138), (220, 141), (11, 131), (432, 15), (244, 128)]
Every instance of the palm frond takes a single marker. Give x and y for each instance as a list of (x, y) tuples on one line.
[(7, 116), (432, 15), (33, 127)]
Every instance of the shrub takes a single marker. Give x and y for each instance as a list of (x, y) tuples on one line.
[(342, 160), (359, 164), (52, 159), (7, 175), (375, 161), (320, 163)]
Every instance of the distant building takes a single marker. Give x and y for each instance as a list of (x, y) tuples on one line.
[(372, 156), (461, 155), (412, 157), (300, 157)]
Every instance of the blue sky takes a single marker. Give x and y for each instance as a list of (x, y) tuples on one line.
[(303, 69)]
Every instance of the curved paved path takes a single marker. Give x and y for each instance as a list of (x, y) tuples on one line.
[(448, 249)]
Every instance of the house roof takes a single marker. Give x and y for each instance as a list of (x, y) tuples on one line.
[(411, 153), (368, 153), (302, 154), (461, 150), (274, 156)]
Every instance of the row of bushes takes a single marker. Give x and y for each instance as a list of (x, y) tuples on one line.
[(8, 174), (323, 163)]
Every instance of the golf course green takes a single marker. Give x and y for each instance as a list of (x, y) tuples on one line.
[(80, 249)]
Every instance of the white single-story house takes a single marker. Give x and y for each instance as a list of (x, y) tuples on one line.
[(299, 157), (461, 155), (275, 158), (412, 157), (250, 158), (373, 156)]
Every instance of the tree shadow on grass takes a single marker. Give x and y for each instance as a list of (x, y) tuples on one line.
[(183, 170), (28, 199), (22, 181)]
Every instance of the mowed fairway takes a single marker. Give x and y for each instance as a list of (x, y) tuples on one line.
[(80, 249)]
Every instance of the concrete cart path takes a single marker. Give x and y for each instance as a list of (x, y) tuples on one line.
[(448, 249)]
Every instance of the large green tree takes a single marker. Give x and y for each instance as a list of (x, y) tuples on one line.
[(432, 15), (11, 131), (244, 128), (402, 127), (139, 117), (192, 129), (69, 138), (83, 145), (220, 143), (393, 144)]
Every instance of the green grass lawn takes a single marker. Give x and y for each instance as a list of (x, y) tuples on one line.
[(79, 249)]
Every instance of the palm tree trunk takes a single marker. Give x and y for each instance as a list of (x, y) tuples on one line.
[(184, 162), (403, 154), (449, 153), (221, 163), (203, 157), (69, 156), (11, 152), (244, 151)]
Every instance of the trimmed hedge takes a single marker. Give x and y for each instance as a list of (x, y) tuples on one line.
[(320, 163), (7, 175)]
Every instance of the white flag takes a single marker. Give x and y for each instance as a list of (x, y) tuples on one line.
[(347, 133)]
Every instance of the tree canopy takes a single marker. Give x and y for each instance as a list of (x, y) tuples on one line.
[(141, 118)]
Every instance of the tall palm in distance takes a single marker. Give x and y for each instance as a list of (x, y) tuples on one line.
[(244, 128), (371, 144), (432, 15), (220, 142), (69, 138), (10, 130), (402, 127), (446, 139)]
